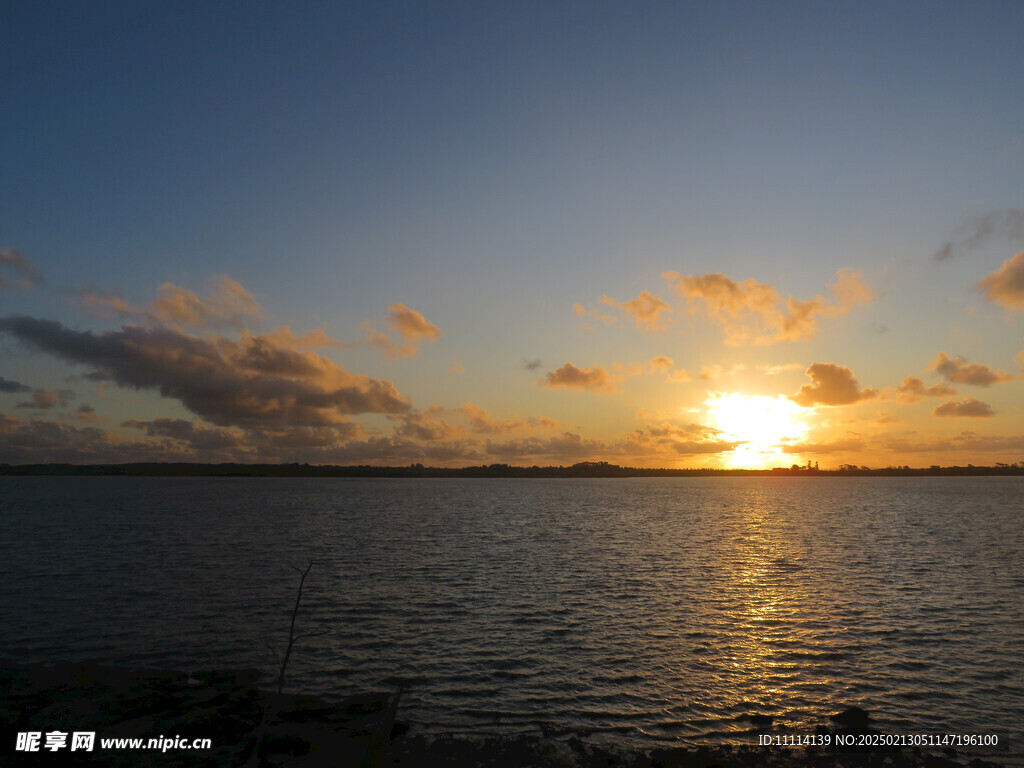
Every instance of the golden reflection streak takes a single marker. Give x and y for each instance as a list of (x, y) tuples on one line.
[(766, 581)]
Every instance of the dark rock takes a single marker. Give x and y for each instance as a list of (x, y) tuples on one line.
[(761, 722), (852, 719)]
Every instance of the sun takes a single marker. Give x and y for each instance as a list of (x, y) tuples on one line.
[(761, 425)]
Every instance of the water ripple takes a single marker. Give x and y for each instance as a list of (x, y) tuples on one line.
[(656, 610)]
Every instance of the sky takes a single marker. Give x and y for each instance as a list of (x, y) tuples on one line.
[(716, 234)]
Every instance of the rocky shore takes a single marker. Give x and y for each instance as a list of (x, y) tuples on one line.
[(247, 726)]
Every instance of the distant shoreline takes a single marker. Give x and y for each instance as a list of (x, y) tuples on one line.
[(582, 469)]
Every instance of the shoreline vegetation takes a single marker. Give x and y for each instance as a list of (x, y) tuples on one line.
[(580, 469), (252, 727)]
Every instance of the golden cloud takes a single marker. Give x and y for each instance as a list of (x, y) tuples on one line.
[(411, 325), (571, 377), (646, 310), (752, 312), (967, 408), (833, 385), (959, 371), (1005, 286), (226, 303), (912, 389)]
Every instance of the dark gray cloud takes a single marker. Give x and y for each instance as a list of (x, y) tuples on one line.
[(197, 437), (6, 385), (251, 382), (979, 229), (41, 442)]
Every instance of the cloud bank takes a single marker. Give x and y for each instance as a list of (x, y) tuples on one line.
[(250, 382)]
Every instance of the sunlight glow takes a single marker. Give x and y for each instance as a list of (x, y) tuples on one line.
[(762, 425)]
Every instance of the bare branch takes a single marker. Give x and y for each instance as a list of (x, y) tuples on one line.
[(291, 632)]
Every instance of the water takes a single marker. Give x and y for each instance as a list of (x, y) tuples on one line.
[(660, 610)]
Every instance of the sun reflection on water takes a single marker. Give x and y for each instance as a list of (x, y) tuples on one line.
[(770, 597)]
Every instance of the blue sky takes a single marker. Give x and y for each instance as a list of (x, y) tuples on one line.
[(489, 166)]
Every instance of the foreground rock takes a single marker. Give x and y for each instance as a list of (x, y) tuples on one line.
[(244, 725), (249, 727)]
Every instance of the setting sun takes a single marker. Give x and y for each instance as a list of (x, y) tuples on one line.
[(762, 425)]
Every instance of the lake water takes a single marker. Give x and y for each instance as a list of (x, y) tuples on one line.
[(656, 610)]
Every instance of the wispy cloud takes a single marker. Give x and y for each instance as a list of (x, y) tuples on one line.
[(595, 314), (225, 303), (716, 371), (752, 312), (15, 261), (646, 310), (979, 229)]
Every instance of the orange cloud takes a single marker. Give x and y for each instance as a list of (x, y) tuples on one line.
[(912, 389), (481, 422), (679, 376), (421, 425), (283, 337), (411, 325), (646, 310), (226, 303), (959, 371), (407, 323), (752, 312), (374, 338), (968, 408), (582, 311), (1005, 286), (833, 385), (571, 377)]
